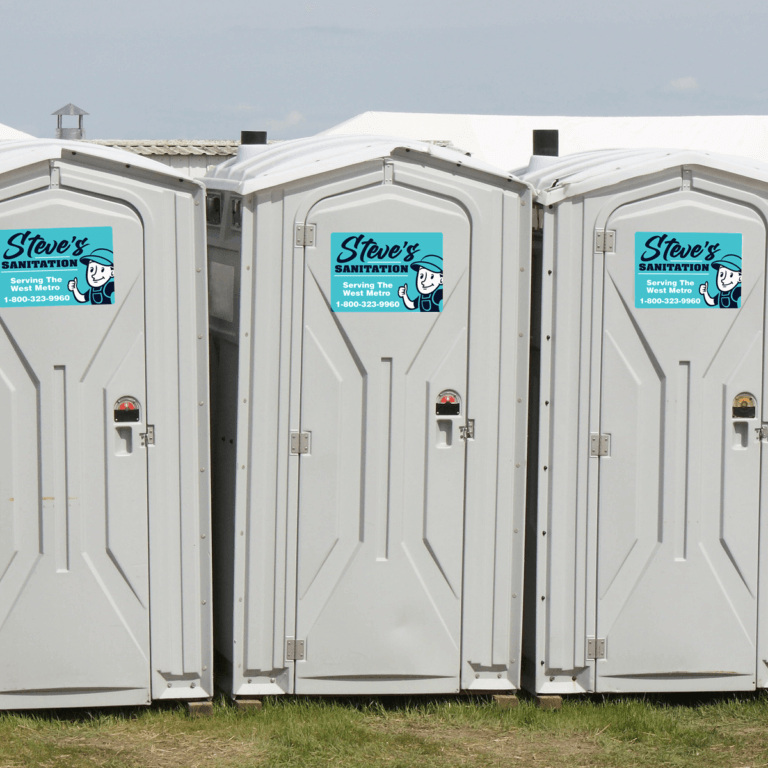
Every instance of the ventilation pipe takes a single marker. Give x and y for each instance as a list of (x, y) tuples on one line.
[(252, 143), (546, 147), (70, 110)]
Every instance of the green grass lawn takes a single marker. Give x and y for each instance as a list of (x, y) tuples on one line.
[(418, 733)]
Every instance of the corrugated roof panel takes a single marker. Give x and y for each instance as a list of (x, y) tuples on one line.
[(215, 148)]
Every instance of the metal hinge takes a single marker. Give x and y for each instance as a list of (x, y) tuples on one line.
[(605, 240), (762, 432), (538, 216), (595, 648), (599, 445), (305, 234), (294, 649), (389, 172), (55, 176), (467, 432), (148, 437), (299, 443)]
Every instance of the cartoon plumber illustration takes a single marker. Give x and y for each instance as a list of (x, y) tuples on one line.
[(429, 284), (100, 275), (728, 283)]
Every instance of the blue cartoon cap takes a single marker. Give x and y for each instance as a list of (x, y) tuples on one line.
[(432, 262), (731, 261), (101, 256)]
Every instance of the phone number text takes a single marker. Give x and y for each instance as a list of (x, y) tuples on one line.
[(51, 299), (367, 304), (672, 301)]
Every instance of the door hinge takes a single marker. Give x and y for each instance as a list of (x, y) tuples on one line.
[(55, 175), (605, 241), (595, 648), (467, 431), (305, 234), (599, 445), (148, 437), (538, 217), (299, 443), (294, 649), (389, 172)]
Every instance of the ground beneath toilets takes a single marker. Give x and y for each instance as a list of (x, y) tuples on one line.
[(723, 731)]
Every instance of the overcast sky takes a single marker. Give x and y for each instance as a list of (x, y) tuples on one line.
[(172, 69)]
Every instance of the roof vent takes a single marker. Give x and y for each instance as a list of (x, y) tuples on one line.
[(252, 143), (70, 133), (546, 145), (253, 137)]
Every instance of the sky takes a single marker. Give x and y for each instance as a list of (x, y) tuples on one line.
[(173, 69)]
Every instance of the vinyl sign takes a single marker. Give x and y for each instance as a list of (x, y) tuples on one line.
[(387, 271), (65, 266), (688, 270)]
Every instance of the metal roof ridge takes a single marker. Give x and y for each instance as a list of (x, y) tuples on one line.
[(70, 109)]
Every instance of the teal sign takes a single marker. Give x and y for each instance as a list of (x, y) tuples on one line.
[(688, 270), (65, 266), (387, 271)]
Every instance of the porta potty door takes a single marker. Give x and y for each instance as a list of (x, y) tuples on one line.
[(73, 473), (679, 475), (381, 485)]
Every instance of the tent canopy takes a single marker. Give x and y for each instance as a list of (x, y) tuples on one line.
[(506, 140), (11, 134)]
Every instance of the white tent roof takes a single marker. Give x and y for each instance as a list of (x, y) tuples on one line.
[(506, 140), (11, 134)]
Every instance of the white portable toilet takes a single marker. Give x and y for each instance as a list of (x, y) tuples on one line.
[(647, 533), (369, 430), (104, 469)]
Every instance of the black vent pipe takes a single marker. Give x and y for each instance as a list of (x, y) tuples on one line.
[(253, 137), (546, 143)]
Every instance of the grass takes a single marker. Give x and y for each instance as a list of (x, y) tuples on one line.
[(414, 733)]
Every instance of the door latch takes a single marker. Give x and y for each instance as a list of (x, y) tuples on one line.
[(467, 431), (148, 437)]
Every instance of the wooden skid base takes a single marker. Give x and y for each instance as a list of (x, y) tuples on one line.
[(505, 701), (200, 708), (548, 702), (247, 704)]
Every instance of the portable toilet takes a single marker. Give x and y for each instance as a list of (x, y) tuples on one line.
[(369, 310), (647, 533), (104, 468)]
